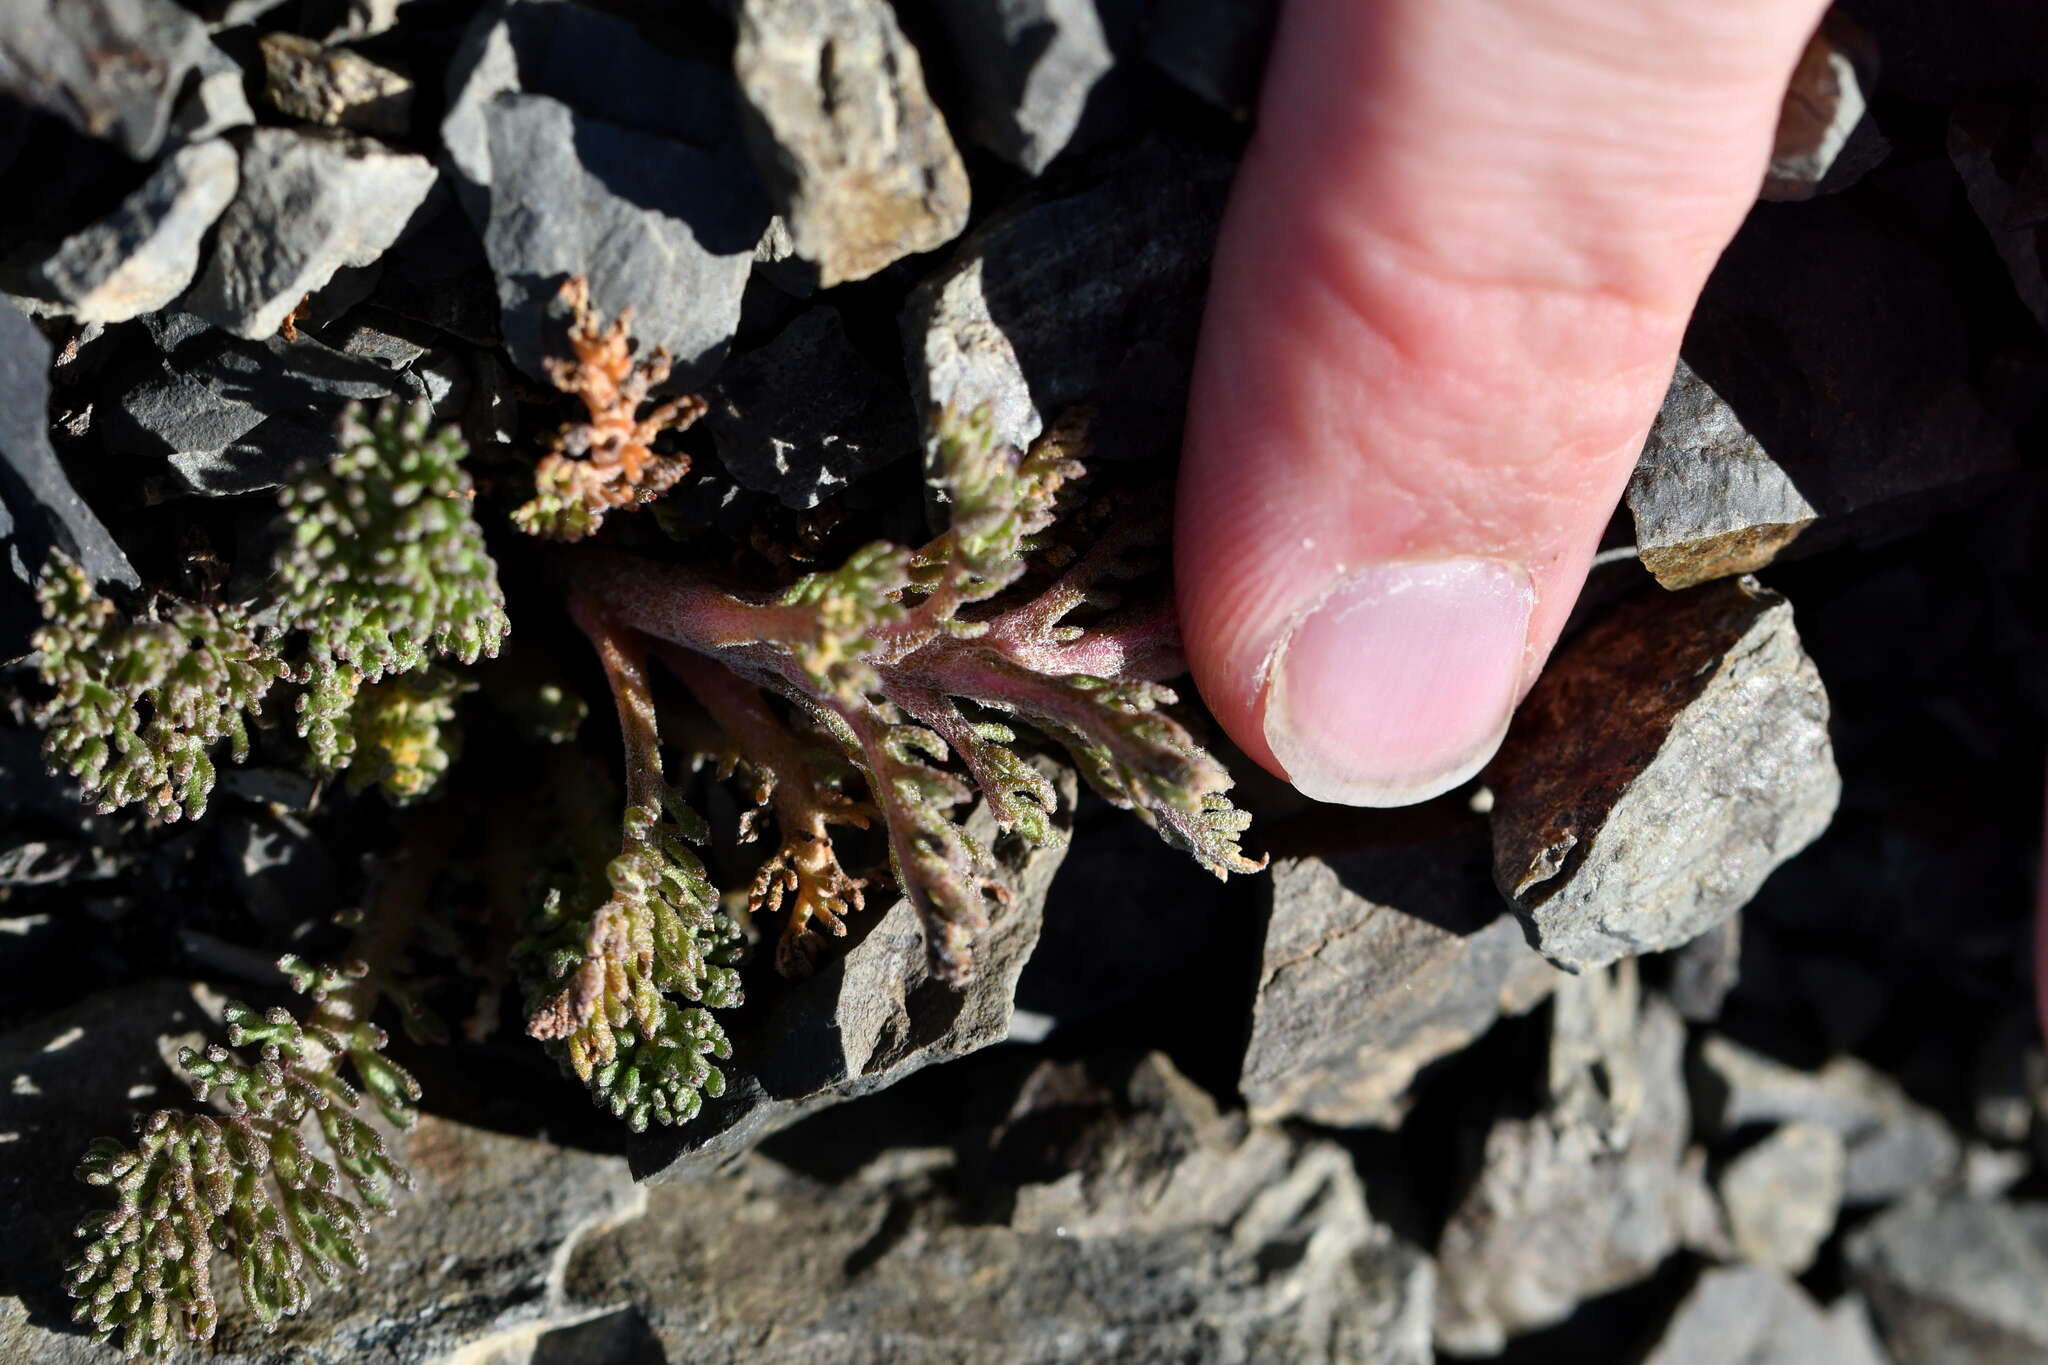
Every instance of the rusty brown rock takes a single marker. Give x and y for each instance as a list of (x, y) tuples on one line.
[(1709, 765)]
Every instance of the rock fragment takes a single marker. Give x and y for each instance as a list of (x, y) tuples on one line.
[(1375, 964), (1957, 1281), (1711, 766), (1892, 1145), (109, 68), (39, 510), (214, 100), (1159, 1205), (580, 148), (310, 203), (852, 149), (1824, 104), (867, 1019), (806, 415), (143, 255), (1029, 67), (334, 87), (1586, 1196), (1751, 1316), (1781, 1196), (1216, 48), (1707, 498), (1004, 324), (2001, 152), (1890, 422), (1705, 970)]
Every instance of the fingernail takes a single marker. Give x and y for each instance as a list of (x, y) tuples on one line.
[(1398, 684)]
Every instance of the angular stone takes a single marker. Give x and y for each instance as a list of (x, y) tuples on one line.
[(1709, 766), (143, 255), (806, 415), (650, 222), (580, 148), (214, 101), (1957, 1281), (39, 510), (1893, 1146), (868, 1018), (1029, 67), (1705, 970), (1003, 325), (1171, 1233), (1824, 103), (1781, 1196), (2001, 152), (110, 68), (1860, 373), (1707, 499), (310, 203), (333, 86), (473, 1253), (1216, 48), (1590, 1194), (596, 63), (1377, 963), (852, 149), (233, 416), (1746, 1315)]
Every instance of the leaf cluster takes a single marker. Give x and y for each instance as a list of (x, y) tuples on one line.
[(246, 1179)]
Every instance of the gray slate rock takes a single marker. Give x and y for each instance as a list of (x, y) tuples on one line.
[(1029, 67), (53, 862), (1957, 1281), (653, 224), (232, 416), (334, 87), (596, 63), (1215, 48), (1707, 498), (1750, 1316), (1825, 102), (110, 68), (1893, 1146), (1377, 963), (1859, 373), (852, 149), (473, 1256), (2001, 152), (1175, 1233), (1781, 1196), (214, 100), (143, 255), (1710, 766), (1705, 970), (1588, 1195), (578, 147), (806, 415), (39, 510), (310, 203), (1090, 290), (869, 1017)]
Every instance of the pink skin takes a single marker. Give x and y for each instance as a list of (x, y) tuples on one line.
[(1447, 299)]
